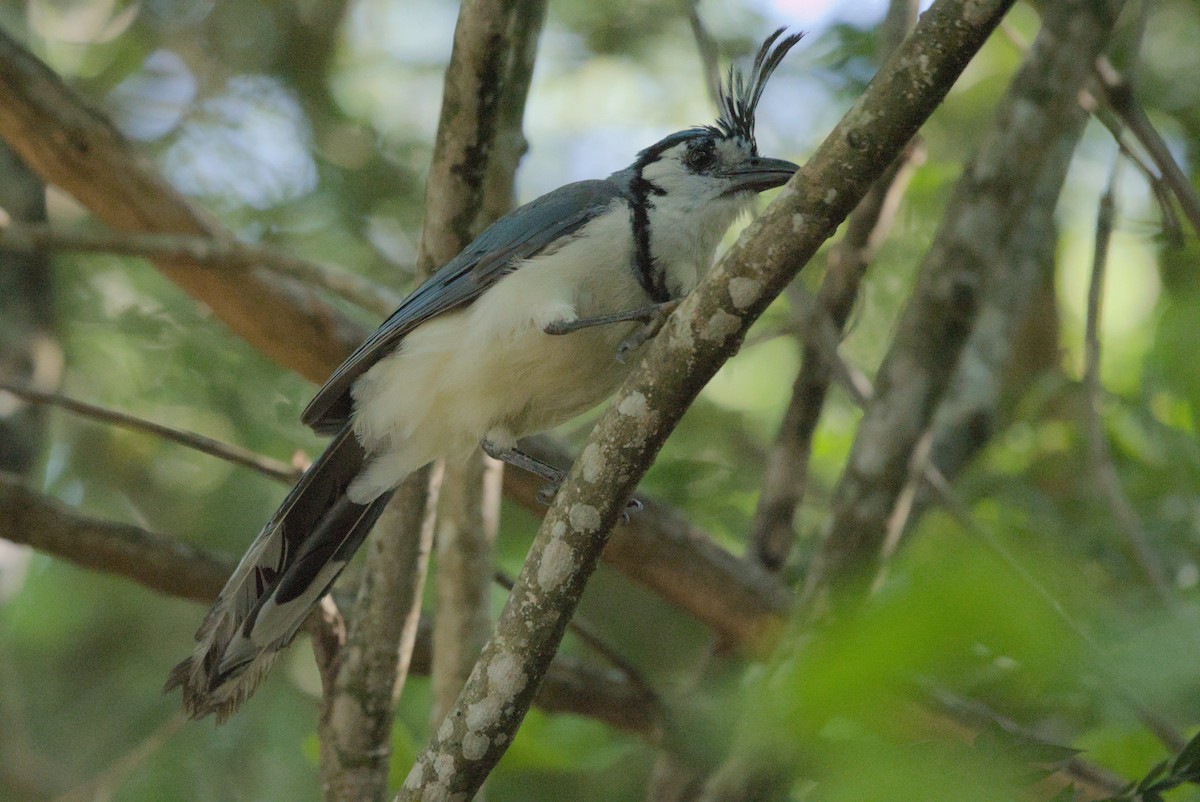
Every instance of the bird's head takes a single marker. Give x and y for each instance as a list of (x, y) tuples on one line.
[(719, 161)]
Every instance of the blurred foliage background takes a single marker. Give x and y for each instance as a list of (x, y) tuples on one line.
[(309, 125)]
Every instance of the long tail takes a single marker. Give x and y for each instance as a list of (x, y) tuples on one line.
[(287, 569)]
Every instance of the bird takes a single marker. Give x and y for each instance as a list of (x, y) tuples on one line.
[(533, 323)]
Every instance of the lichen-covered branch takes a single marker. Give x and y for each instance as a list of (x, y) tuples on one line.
[(971, 246), (704, 332), (468, 522), (662, 550)]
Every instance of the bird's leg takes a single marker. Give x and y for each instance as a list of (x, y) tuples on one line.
[(652, 317), (555, 477), (650, 328), (643, 314), (519, 459)]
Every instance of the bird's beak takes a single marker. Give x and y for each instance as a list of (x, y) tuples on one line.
[(759, 173)]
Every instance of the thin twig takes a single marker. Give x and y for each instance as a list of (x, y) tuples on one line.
[(267, 466), (1120, 97), (104, 785), (210, 252), (974, 713), (706, 47), (1107, 480)]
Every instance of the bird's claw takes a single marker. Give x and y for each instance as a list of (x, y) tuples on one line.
[(546, 495), (655, 318), (632, 507)]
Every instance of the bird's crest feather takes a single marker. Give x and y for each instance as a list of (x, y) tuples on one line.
[(738, 97)]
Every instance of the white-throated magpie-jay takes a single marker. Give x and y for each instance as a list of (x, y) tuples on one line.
[(514, 335)]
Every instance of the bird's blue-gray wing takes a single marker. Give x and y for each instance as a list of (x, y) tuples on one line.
[(519, 235)]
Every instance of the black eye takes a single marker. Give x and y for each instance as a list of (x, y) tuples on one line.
[(700, 156)]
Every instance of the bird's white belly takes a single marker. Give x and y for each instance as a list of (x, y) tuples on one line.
[(490, 370)]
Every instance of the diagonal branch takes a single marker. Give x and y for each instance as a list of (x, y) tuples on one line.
[(70, 145), (216, 253), (206, 445), (703, 333)]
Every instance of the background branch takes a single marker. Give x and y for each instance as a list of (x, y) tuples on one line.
[(223, 253), (68, 144), (479, 146), (1108, 482), (772, 531), (969, 249)]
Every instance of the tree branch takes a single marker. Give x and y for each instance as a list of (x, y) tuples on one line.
[(161, 564), (222, 253), (772, 532), (72, 146), (355, 727), (206, 445), (699, 337), (972, 243), (480, 144), (1108, 482)]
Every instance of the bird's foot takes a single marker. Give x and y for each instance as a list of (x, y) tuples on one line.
[(655, 319)]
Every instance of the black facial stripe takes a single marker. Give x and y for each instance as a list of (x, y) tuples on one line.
[(651, 279)]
